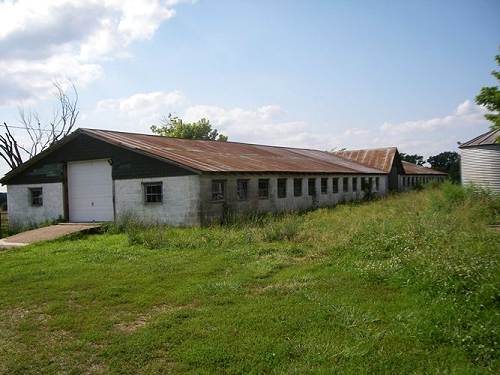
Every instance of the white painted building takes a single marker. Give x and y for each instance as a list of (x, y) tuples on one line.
[(98, 176)]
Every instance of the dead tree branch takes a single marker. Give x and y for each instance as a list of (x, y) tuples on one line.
[(63, 122)]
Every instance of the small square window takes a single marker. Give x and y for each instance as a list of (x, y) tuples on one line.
[(354, 184), (153, 192), (324, 185), (263, 188), (311, 186), (218, 189), (36, 196), (297, 187), (242, 190), (335, 185), (282, 187), (345, 184)]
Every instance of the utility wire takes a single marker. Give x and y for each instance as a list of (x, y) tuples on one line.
[(28, 129)]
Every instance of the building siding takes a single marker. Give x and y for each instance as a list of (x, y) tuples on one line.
[(480, 166), (180, 205), (23, 214)]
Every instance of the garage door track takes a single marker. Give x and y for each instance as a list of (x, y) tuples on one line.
[(46, 233)]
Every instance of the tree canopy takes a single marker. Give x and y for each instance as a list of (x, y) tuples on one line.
[(489, 97), (174, 127), (415, 159), (448, 162)]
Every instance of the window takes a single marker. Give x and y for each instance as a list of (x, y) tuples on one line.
[(218, 190), (153, 192), (377, 183), (281, 187), (345, 184), (364, 185), (324, 185), (242, 189), (36, 195), (370, 183), (311, 186), (263, 188), (354, 184), (335, 183), (297, 187)]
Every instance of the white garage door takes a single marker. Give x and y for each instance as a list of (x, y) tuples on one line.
[(90, 191)]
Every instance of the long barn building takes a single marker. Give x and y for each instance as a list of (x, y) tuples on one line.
[(98, 175)]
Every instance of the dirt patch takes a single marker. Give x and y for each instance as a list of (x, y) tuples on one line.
[(142, 320), (282, 286)]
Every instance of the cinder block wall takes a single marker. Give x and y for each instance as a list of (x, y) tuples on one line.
[(212, 211), (180, 206), (23, 214)]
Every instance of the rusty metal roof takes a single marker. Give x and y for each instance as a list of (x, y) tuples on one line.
[(214, 156), (488, 138), (379, 158), (411, 168)]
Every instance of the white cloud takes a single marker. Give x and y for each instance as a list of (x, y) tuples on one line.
[(465, 114), (42, 41), (151, 103), (271, 124)]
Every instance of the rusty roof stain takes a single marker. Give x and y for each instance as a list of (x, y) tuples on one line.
[(378, 158), (488, 138), (214, 156), (411, 168)]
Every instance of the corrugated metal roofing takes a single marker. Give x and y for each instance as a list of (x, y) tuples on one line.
[(411, 168), (213, 156), (488, 138), (379, 158)]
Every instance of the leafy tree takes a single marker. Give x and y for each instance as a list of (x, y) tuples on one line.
[(489, 97), (448, 162), (415, 159), (174, 127)]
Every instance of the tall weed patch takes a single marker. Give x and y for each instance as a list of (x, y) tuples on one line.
[(446, 253)]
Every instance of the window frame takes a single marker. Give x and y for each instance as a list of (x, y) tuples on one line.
[(260, 189), (145, 194), (325, 186), (239, 183), (222, 183), (280, 194), (297, 183), (345, 184), (311, 192), (335, 185), (354, 184), (32, 197)]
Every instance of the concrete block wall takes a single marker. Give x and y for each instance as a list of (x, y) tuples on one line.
[(23, 214), (180, 206), (409, 182), (212, 211)]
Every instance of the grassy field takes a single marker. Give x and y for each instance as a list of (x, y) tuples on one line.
[(407, 284)]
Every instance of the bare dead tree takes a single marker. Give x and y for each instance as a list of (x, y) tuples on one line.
[(41, 137), (9, 148)]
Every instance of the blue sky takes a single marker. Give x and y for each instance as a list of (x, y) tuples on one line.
[(322, 74)]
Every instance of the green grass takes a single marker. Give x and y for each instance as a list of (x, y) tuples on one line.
[(407, 284)]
